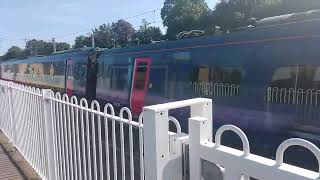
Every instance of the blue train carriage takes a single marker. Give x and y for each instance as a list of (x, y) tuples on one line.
[(62, 72), (263, 79)]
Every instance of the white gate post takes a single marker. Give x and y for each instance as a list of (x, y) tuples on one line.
[(200, 129), (204, 110), (198, 133), (162, 152), (47, 114), (156, 143)]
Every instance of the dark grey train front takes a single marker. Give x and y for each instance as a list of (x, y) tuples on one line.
[(264, 79)]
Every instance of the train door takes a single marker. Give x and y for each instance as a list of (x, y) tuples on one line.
[(140, 82), (69, 77)]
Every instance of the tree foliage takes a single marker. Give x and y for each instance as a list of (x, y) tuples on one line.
[(186, 15), (285, 7), (229, 14), (146, 33), (82, 41), (104, 36), (123, 32), (40, 47), (33, 47), (183, 15), (14, 53), (120, 34)]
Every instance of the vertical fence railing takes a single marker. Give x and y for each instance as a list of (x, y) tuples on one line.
[(91, 142), (5, 113), (65, 138), (22, 121), (50, 133)]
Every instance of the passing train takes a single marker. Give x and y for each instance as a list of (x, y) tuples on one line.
[(264, 79)]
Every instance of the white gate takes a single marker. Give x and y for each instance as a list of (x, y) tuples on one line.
[(232, 163), (66, 138), (235, 164)]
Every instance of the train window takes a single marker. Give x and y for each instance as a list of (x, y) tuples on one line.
[(215, 81), (70, 70), (80, 74), (59, 68), (308, 77), (51, 70), (104, 76), (46, 68), (157, 81), (296, 77), (284, 77), (294, 85), (119, 78), (140, 76), (112, 77), (225, 75)]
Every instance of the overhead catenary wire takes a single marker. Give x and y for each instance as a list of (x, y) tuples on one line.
[(89, 29), (63, 36), (71, 41), (154, 22)]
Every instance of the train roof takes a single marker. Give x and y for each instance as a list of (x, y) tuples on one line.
[(289, 18), (59, 56), (268, 28), (85, 49)]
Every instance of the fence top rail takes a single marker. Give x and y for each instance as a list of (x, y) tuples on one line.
[(95, 109), (177, 104), (23, 88)]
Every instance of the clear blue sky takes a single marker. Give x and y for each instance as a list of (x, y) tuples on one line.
[(44, 19)]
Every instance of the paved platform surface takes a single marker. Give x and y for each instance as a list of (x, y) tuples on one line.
[(8, 169)]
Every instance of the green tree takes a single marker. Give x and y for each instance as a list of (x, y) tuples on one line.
[(146, 33), (104, 36), (122, 32), (82, 41), (230, 14), (61, 46), (285, 7), (183, 15), (118, 34), (14, 53), (40, 47)]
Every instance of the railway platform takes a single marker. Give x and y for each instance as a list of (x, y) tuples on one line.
[(12, 164), (8, 169)]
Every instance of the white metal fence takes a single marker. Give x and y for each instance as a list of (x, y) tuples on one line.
[(66, 138), (21, 113), (90, 144), (209, 89), (309, 97)]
